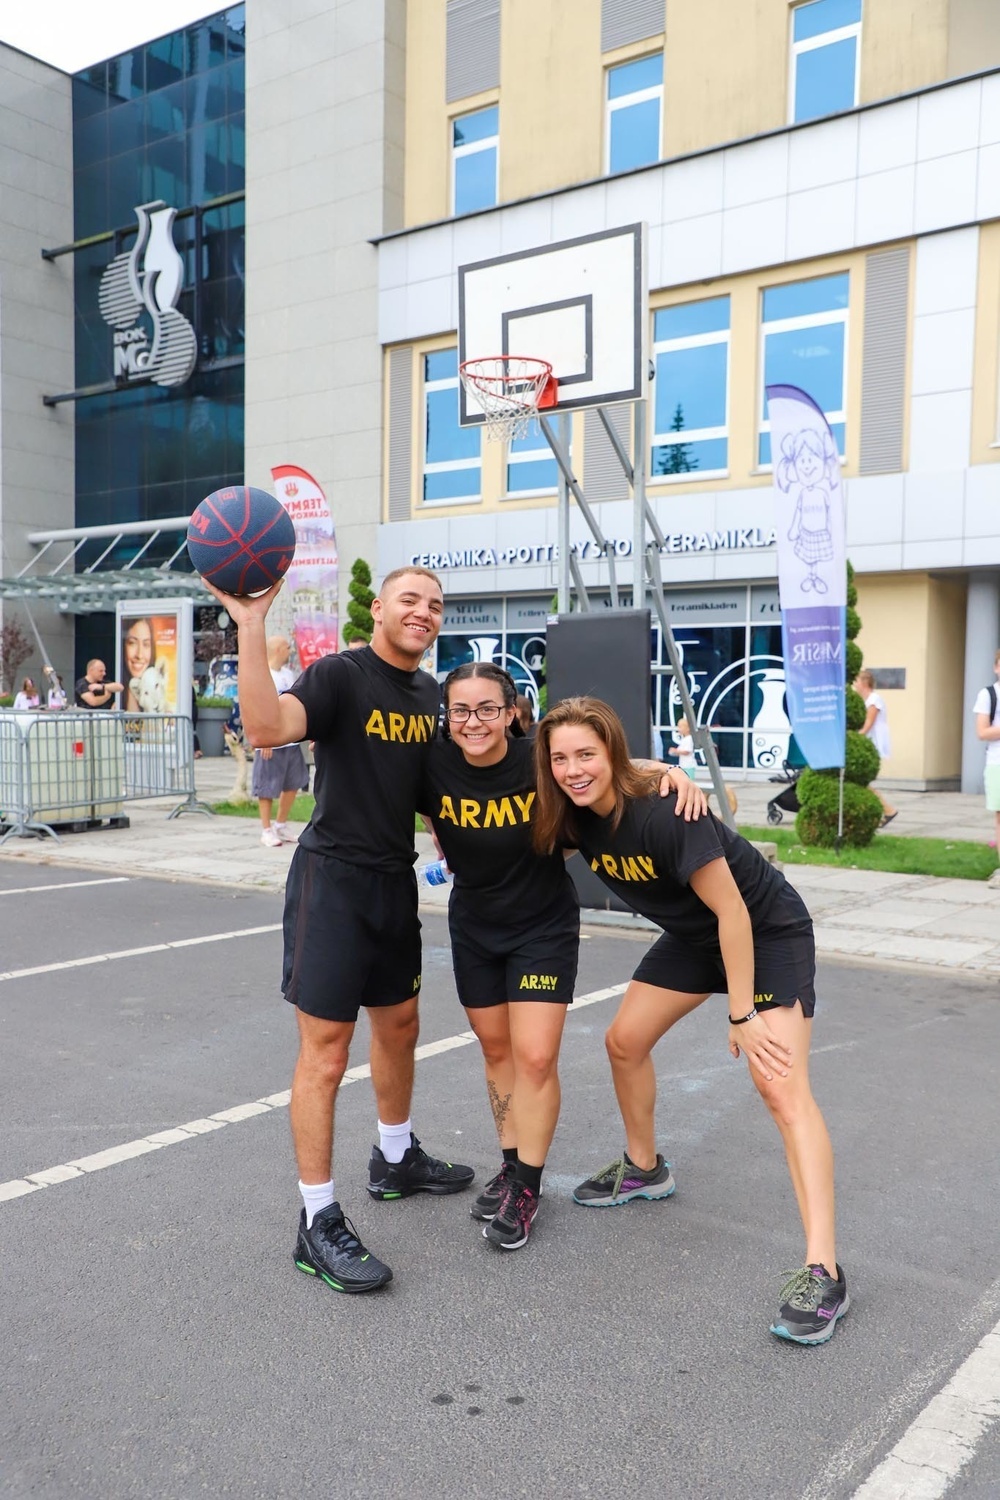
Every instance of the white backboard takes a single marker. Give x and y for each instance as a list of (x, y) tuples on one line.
[(580, 304)]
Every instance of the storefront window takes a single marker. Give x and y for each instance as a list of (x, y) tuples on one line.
[(728, 639)]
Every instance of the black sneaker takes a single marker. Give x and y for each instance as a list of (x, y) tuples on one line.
[(331, 1250), (416, 1173), (511, 1224), (490, 1198), (621, 1181), (812, 1301)]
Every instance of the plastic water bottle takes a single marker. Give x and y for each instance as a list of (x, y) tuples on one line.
[(434, 874)]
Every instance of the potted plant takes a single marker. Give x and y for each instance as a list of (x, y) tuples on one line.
[(213, 711)]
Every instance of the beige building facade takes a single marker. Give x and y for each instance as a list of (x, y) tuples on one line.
[(892, 200)]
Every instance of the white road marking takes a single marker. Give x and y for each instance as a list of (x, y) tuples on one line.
[(68, 1171), (65, 885), (103, 958), (938, 1445)]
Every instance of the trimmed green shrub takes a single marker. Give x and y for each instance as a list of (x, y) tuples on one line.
[(855, 709), (818, 791), (359, 605), (819, 795), (862, 760)]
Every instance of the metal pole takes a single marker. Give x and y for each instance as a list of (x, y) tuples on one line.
[(700, 735), (561, 453), (639, 505), (562, 600), (840, 812)]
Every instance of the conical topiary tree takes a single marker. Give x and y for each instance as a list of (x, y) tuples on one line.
[(819, 791), (359, 605)]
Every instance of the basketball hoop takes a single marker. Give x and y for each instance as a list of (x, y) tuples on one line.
[(509, 390)]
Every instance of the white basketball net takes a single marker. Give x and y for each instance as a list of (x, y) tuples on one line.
[(507, 390)]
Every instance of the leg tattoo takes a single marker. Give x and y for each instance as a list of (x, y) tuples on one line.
[(500, 1107)]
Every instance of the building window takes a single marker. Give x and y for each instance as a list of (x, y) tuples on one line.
[(475, 158), (826, 58), (451, 453), (531, 464), (634, 113), (804, 343), (691, 350)]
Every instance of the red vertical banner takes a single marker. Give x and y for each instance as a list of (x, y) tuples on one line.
[(311, 581)]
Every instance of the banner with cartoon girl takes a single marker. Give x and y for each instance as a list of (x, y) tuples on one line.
[(309, 598), (812, 572)]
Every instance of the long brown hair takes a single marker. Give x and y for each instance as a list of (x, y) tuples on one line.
[(553, 825)]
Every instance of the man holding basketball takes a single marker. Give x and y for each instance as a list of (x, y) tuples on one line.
[(351, 930)]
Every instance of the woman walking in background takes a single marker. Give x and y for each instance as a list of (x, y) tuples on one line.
[(732, 925), (876, 727)]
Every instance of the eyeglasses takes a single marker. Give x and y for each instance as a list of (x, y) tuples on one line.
[(486, 713)]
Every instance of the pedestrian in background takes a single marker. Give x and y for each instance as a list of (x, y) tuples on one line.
[(987, 712), (876, 727), (28, 696), (282, 771)]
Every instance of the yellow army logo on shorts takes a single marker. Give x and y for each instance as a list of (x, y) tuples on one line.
[(404, 729), (492, 814), (539, 982), (627, 867)]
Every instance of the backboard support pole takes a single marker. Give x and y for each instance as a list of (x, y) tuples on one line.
[(645, 558)]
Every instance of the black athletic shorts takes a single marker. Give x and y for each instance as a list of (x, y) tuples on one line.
[(784, 968), (352, 937), (492, 967)]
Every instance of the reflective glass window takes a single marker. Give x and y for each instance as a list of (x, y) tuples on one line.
[(451, 470), (804, 343), (475, 160), (531, 466), (826, 51), (633, 114), (691, 389)]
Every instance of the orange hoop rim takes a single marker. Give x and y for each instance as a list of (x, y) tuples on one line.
[(509, 389)]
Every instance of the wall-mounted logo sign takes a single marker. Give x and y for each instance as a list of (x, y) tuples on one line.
[(138, 299)]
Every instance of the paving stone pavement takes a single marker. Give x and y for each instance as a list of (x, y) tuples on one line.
[(858, 913)]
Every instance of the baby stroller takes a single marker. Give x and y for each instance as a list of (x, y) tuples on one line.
[(787, 800)]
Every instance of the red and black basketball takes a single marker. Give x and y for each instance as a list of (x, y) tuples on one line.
[(241, 539)]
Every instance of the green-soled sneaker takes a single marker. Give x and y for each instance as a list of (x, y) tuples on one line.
[(331, 1251)]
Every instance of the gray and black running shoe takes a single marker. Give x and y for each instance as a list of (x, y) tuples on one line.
[(416, 1173), (812, 1302), (490, 1198), (620, 1182), (331, 1251), (511, 1224)]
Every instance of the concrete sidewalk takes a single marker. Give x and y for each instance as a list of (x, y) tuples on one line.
[(858, 913)]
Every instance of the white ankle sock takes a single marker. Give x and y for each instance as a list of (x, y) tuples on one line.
[(393, 1140), (316, 1196)]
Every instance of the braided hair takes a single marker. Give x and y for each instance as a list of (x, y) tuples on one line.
[(489, 672)]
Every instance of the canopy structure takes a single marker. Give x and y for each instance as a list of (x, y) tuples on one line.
[(51, 574)]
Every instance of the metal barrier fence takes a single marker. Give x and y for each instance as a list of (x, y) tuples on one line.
[(83, 768)]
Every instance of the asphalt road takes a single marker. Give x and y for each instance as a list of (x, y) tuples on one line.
[(157, 1341)]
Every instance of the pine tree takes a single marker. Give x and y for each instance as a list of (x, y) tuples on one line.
[(359, 605), (676, 457)]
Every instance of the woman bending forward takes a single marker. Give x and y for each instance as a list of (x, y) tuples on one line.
[(731, 924)]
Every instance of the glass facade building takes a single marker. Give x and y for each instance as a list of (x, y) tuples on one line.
[(164, 122)]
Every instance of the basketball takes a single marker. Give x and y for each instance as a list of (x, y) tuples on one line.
[(241, 540)]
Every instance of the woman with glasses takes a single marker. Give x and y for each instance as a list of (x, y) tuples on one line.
[(514, 921)]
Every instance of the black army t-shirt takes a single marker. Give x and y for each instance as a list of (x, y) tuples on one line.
[(482, 817), (372, 725), (650, 857)]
